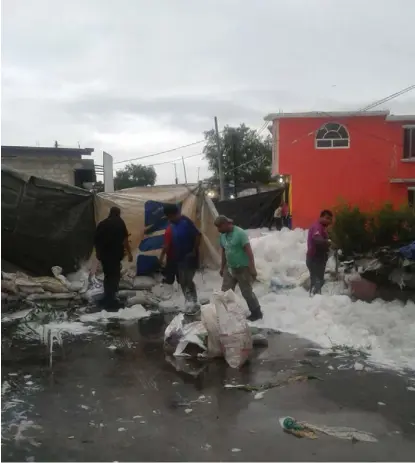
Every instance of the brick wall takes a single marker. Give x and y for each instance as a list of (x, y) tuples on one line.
[(57, 168)]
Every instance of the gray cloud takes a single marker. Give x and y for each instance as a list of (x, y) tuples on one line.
[(136, 76)]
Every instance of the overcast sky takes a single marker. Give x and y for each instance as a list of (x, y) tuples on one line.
[(133, 77)]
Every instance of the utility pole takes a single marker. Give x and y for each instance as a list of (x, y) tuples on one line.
[(221, 186), (184, 168), (198, 174), (175, 173), (235, 190)]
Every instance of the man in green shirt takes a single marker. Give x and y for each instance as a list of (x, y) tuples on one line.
[(238, 264)]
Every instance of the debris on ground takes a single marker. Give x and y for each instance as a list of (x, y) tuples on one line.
[(184, 338), (291, 426), (304, 429), (82, 285), (270, 385), (222, 332)]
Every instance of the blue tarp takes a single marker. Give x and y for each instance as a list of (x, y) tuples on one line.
[(408, 251), (155, 223)]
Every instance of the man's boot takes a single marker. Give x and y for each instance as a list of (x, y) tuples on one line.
[(255, 315)]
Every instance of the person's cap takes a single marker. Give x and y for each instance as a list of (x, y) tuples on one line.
[(222, 219)]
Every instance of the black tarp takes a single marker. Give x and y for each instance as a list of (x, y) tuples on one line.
[(44, 223), (255, 211)]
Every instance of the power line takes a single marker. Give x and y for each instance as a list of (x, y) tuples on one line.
[(259, 131), (174, 160), (161, 152), (366, 108), (389, 97)]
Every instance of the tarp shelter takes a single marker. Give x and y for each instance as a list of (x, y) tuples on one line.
[(255, 211), (44, 223), (142, 211)]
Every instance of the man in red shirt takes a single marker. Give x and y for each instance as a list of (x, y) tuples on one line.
[(318, 245), (169, 274)]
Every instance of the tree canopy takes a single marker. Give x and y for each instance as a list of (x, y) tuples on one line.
[(246, 156), (134, 175)]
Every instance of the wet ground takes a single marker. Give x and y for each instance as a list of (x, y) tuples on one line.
[(114, 397)]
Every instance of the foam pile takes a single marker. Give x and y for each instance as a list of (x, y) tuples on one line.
[(385, 330)]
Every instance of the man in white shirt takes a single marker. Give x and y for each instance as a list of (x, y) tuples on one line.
[(277, 219)]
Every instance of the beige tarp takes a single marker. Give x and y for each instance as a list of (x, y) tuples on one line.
[(195, 205)]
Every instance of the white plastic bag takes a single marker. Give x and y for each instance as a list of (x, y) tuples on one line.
[(183, 334), (211, 323), (235, 335)]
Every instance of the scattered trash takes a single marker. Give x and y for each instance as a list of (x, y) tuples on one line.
[(121, 429), (84, 407), (410, 388), (71, 437), (303, 429), (330, 367), (188, 410), (236, 450), (206, 447), (382, 404), (180, 336), (112, 347), (270, 385), (291, 426), (259, 395)]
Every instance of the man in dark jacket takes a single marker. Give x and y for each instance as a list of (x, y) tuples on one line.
[(111, 240)]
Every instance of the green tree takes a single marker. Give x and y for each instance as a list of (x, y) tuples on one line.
[(246, 156), (98, 187), (134, 175)]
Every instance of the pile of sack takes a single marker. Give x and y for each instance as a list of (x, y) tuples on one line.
[(222, 332), (82, 286)]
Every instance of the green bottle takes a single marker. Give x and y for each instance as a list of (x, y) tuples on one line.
[(291, 425)]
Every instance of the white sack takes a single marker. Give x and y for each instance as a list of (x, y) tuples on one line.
[(235, 334), (211, 323)]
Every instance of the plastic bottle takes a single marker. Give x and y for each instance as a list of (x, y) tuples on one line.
[(291, 425)]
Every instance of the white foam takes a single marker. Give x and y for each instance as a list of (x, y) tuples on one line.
[(130, 313), (385, 330)]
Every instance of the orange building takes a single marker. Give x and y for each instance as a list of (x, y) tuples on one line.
[(362, 158)]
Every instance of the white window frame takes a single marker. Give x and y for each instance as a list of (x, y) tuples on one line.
[(331, 147), (410, 158)]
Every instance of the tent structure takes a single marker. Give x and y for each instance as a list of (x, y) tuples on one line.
[(44, 223), (254, 211), (142, 211)]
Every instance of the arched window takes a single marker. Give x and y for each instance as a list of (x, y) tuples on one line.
[(332, 135)]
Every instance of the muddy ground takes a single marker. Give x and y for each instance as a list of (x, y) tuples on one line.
[(114, 397)]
